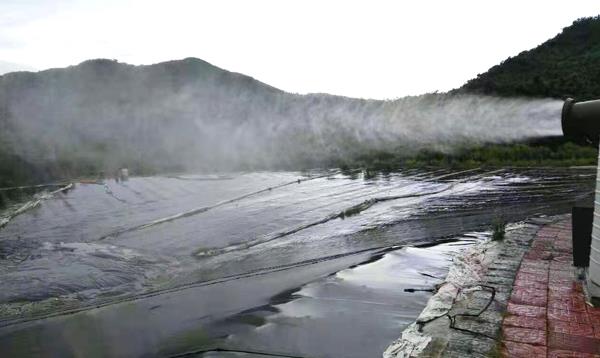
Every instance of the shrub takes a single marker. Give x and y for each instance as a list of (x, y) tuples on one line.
[(498, 229)]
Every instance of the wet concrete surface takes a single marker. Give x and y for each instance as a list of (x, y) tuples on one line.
[(469, 321)]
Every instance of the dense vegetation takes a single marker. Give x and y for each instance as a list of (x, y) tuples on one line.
[(566, 65), (553, 152)]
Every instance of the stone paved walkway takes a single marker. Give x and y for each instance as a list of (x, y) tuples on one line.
[(547, 315)]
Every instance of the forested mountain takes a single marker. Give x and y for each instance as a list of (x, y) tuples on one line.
[(566, 65), (190, 115), (102, 114)]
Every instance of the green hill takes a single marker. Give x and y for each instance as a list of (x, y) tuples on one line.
[(102, 114), (189, 115), (566, 65)]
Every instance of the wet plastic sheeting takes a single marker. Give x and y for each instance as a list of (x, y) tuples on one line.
[(211, 248)]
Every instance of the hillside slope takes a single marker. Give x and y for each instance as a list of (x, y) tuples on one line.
[(190, 115), (102, 114), (566, 65)]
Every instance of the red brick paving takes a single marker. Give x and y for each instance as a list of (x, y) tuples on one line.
[(526, 322), (568, 302), (521, 350), (561, 266), (547, 315), (572, 328), (568, 342), (526, 310), (524, 335), (529, 296), (570, 354), (567, 316), (539, 277)]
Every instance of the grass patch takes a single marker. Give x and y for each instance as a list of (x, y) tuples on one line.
[(498, 229)]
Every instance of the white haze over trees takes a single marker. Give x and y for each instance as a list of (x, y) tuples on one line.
[(190, 115)]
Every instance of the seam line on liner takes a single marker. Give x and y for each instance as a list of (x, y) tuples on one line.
[(363, 206)]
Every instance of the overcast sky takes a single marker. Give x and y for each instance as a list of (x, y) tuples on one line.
[(373, 49)]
